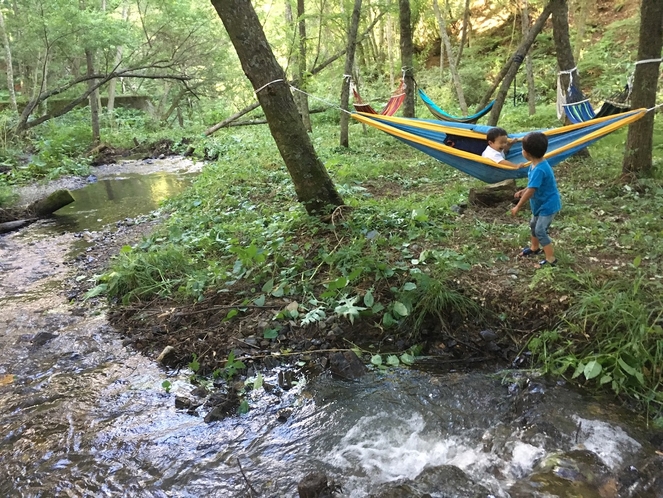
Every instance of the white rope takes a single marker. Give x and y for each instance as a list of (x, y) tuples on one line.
[(570, 71), (347, 77), (266, 85), (647, 61), (655, 107), (321, 100)]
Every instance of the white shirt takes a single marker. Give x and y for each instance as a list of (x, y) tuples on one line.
[(495, 155)]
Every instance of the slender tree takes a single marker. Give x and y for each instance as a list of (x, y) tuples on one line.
[(8, 63), (312, 183), (407, 56), (455, 77), (563, 50), (93, 96), (510, 69), (529, 69), (639, 141), (349, 62), (466, 25)]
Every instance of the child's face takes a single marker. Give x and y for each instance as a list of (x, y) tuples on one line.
[(500, 143)]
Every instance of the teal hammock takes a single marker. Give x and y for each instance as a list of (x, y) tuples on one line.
[(582, 110), (443, 116)]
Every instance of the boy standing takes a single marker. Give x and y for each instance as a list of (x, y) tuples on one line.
[(543, 195), (498, 145)]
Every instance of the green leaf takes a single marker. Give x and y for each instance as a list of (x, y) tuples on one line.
[(95, 291), (605, 379), (257, 384), (376, 360), (409, 286), (407, 359), (388, 320), (368, 299), (231, 314), (166, 385), (125, 249), (195, 364), (580, 368), (270, 334), (626, 367), (592, 369), (243, 407), (278, 292), (401, 309), (259, 301), (269, 285), (637, 261), (392, 360)]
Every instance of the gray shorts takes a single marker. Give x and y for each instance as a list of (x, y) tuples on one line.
[(539, 227)]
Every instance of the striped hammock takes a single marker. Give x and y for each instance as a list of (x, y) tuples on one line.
[(443, 116), (582, 110), (460, 145), (390, 108)]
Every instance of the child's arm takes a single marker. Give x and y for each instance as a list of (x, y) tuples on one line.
[(505, 162), (510, 142), (526, 196)]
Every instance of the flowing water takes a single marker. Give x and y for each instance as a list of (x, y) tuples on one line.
[(81, 415)]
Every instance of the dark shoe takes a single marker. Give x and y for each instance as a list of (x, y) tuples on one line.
[(527, 251), (545, 262)]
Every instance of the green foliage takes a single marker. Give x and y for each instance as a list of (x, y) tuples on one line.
[(230, 369)]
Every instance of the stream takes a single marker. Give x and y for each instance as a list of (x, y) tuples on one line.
[(83, 416)]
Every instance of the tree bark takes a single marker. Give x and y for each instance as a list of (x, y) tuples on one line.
[(455, 77), (93, 97), (110, 105), (511, 68), (639, 141), (563, 50), (407, 56), (314, 188), (349, 62), (8, 63), (529, 69), (463, 38), (301, 98)]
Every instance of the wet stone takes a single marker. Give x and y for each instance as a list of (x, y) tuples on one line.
[(42, 338), (347, 365), (270, 362)]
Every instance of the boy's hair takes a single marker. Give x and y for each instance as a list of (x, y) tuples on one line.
[(536, 144), (494, 133)]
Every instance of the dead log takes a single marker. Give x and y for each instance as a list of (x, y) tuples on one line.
[(10, 226), (50, 204), (493, 194)]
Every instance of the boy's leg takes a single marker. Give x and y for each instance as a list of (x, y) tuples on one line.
[(534, 243), (541, 231)]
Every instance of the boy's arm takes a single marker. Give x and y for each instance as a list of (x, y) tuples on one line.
[(527, 194), (510, 142)]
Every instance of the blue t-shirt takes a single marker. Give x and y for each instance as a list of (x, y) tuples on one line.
[(546, 199)]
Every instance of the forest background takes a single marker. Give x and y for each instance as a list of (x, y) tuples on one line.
[(407, 259)]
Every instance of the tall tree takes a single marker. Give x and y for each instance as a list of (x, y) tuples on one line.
[(407, 56), (455, 77), (312, 183), (508, 72), (639, 141), (465, 27), (301, 99), (529, 69), (8, 63), (353, 28), (93, 95), (563, 50)]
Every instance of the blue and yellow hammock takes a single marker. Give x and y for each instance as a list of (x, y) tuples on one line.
[(444, 116), (460, 145)]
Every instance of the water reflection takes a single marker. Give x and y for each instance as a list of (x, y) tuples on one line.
[(113, 199)]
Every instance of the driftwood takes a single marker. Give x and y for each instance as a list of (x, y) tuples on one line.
[(51, 203), (10, 226), (17, 217), (493, 194)]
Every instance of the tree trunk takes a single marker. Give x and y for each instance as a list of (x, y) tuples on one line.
[(312, 183), (349, 62), (455, 77), (8, 63), (302, 98), (407, 56), (509, 71), (564, 52), (463, 38), (93, 98), (529, 69), (585, 7), (110, 105), (639, 141)]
